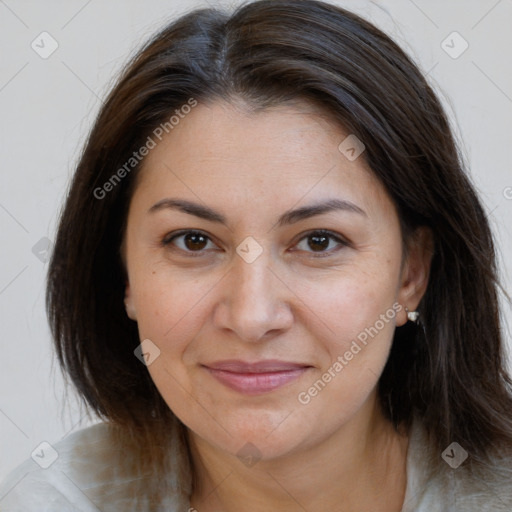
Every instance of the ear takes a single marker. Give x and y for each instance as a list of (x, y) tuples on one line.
[(415, 272), (128, 303)]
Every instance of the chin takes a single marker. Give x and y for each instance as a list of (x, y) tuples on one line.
[(258, 436)]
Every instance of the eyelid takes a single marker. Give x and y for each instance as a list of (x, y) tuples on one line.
[(168, 239), (342, 241), (175, 234)]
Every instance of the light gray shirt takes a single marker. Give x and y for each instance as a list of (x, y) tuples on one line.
[(83, 474)]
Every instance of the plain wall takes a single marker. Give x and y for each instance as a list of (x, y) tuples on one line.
[(48, 105)]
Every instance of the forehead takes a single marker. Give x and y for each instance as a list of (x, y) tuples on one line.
[(284, 152), (222, 131)]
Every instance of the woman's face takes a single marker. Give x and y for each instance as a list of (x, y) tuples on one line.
[(262, 329)]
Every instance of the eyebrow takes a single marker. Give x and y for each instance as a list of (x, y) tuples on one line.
[(289, 217)]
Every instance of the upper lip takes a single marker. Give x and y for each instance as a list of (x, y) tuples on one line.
[(265, 366)]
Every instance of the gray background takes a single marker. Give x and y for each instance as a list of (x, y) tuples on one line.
[(48, 104)]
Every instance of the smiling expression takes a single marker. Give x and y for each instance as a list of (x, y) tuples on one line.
[(256, 253)]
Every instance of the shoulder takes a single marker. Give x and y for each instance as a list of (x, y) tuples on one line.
[(86, 471), (486, 488), (445, 481)]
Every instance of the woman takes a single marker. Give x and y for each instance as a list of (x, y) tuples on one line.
[(275, 284)]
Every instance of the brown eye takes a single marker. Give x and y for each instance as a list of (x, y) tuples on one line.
[(321, 241), (188, 241), (318, 242), (195, 241)]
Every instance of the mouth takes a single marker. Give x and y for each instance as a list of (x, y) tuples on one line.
[(258, 377)]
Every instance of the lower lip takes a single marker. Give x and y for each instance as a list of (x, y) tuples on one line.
[(256, 383)]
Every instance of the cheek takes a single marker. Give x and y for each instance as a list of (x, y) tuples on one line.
[(170, 312), (169, 305), (352, 304), (358, 345)]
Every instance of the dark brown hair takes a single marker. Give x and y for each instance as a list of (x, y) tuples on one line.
[(450, 371)]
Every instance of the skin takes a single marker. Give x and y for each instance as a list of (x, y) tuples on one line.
[(336, 452)]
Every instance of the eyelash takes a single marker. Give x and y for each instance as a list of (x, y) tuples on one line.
[(319, 232)]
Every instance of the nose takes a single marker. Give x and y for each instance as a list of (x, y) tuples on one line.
[(254, 302)]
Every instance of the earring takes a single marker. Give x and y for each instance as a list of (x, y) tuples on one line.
[(412, 316), (130, 310)]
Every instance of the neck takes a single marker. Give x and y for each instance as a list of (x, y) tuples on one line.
[(361, 466)]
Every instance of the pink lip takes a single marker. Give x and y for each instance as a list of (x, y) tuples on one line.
[(255, 378)]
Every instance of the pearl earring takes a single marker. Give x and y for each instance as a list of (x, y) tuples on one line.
[(130, 310), (412, 316)]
